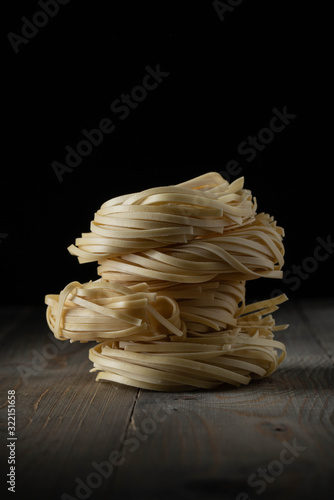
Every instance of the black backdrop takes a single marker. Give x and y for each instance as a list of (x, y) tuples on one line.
[(225, 69)]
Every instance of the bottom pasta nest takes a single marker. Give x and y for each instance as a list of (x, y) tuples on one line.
[(180, 337)]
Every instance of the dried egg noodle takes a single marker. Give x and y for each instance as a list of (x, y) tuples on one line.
[(164, 216), (249, 252), (168, 312)]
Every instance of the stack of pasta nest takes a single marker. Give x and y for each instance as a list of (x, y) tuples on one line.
[(168, 311)]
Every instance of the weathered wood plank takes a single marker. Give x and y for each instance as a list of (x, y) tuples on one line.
[(202, 444), (65, 420), (213, 444)]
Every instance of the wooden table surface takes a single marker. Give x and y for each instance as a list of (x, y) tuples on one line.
[(79, 439)]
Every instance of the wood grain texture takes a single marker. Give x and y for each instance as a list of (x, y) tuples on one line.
[(101, 440), (64, 419)]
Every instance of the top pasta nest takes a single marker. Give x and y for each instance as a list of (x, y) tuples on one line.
[(206, 223)]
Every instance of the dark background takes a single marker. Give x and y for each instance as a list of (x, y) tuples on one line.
[(225, 79)]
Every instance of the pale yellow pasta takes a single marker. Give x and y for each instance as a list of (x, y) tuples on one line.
[(251, 251), (168, 312), (100, 310), (158, 217), (235, 356), (181, 337)]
